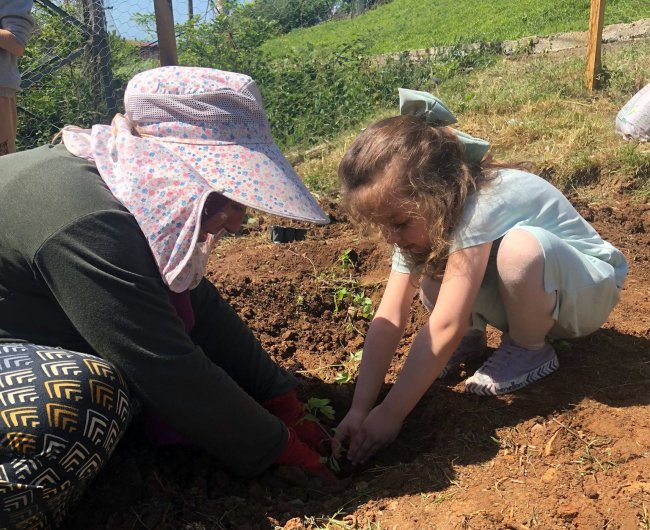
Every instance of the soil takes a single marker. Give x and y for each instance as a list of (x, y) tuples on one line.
[(570, 452)]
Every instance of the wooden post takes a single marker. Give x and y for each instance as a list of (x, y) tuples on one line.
[(190, 9), (594, 66), (95, 20), (166, 34)]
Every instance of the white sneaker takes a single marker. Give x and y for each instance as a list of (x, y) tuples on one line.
[(512, 367), (471, 347)]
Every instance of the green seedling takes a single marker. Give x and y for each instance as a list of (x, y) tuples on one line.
[(331, 462), (300, 301), (316, 407), (361, 305), (358, 303), (346, 261), (339, 297), (343, 377), (350, 368)]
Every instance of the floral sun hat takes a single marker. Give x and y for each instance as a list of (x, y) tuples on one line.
[(188, 133)]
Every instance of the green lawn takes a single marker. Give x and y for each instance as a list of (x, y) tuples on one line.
[(546, 117), (413, 24)]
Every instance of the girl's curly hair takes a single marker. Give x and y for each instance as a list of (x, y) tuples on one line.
[(405, 161)]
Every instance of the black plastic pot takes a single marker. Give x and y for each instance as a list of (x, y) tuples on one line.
[(286, 234)]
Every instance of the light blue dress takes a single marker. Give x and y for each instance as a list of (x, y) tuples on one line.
[(586, 272)]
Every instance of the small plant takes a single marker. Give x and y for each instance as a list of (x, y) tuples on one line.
[(350, 368), (300, 301), (331, 462), (316, 407), (339, 297), (346, 260), (359, 305)]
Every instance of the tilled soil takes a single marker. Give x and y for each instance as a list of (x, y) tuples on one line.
[(572, 451)]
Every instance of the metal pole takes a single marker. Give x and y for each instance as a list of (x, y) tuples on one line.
[(165, 30), (190, 9)]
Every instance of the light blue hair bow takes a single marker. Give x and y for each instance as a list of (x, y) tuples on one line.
[(434, 112)]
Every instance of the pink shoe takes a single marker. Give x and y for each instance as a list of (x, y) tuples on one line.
[(471, 347), (512, 367)]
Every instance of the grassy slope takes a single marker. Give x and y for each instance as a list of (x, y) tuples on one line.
[(546, 117), (413, 24)]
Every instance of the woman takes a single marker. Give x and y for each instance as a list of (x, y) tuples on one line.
[(103, 246)]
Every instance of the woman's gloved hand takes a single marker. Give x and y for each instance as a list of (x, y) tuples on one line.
[(291, 411), (297, 453)]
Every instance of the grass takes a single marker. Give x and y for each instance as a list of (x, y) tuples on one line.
[(413, 24), (546, 117)]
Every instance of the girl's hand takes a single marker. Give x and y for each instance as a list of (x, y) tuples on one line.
[(347, 429), (379, 429)]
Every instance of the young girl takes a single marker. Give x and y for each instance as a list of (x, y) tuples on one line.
[(487, 245)]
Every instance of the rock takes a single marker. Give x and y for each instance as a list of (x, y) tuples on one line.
[(568, 512), (549, 475), (289, 335)]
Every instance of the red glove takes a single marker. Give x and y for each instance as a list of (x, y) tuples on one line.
[(298, 453), (291, 411)]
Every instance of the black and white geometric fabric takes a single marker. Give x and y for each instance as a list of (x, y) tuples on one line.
[(61, 415)]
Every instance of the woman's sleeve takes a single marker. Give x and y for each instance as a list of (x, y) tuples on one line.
[(101, 272)]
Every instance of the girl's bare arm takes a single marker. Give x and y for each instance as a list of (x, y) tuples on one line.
[(383, 338), (438, 338)]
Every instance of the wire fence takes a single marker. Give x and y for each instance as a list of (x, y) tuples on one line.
[(66, 72), (82, 54)]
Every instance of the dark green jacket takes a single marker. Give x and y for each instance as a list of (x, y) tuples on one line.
[(77, 272)]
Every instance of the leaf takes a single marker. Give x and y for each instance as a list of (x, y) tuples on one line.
[(342, 378)]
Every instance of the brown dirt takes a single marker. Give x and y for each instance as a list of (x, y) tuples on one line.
[(572, 451)]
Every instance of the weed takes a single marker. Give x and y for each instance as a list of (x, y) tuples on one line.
[(346, 260), (439, 498), (300, 301), (331, 522), (350, 368)]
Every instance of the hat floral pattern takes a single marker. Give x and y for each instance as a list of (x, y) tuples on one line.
[(188, 133)]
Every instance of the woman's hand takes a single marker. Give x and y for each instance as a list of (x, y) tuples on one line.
[(379, 428)]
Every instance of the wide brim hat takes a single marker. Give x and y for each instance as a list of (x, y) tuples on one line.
[(214, 124)]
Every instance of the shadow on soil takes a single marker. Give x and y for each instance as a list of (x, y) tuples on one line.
[(161, 488)]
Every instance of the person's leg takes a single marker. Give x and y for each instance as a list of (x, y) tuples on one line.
[(529, 308), (471, 346), (524, 356), (61, 415), (8, 124), (227, 341)]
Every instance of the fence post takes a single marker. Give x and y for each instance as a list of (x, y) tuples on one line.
[(166, 35), (594, 66), (94, 17)]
